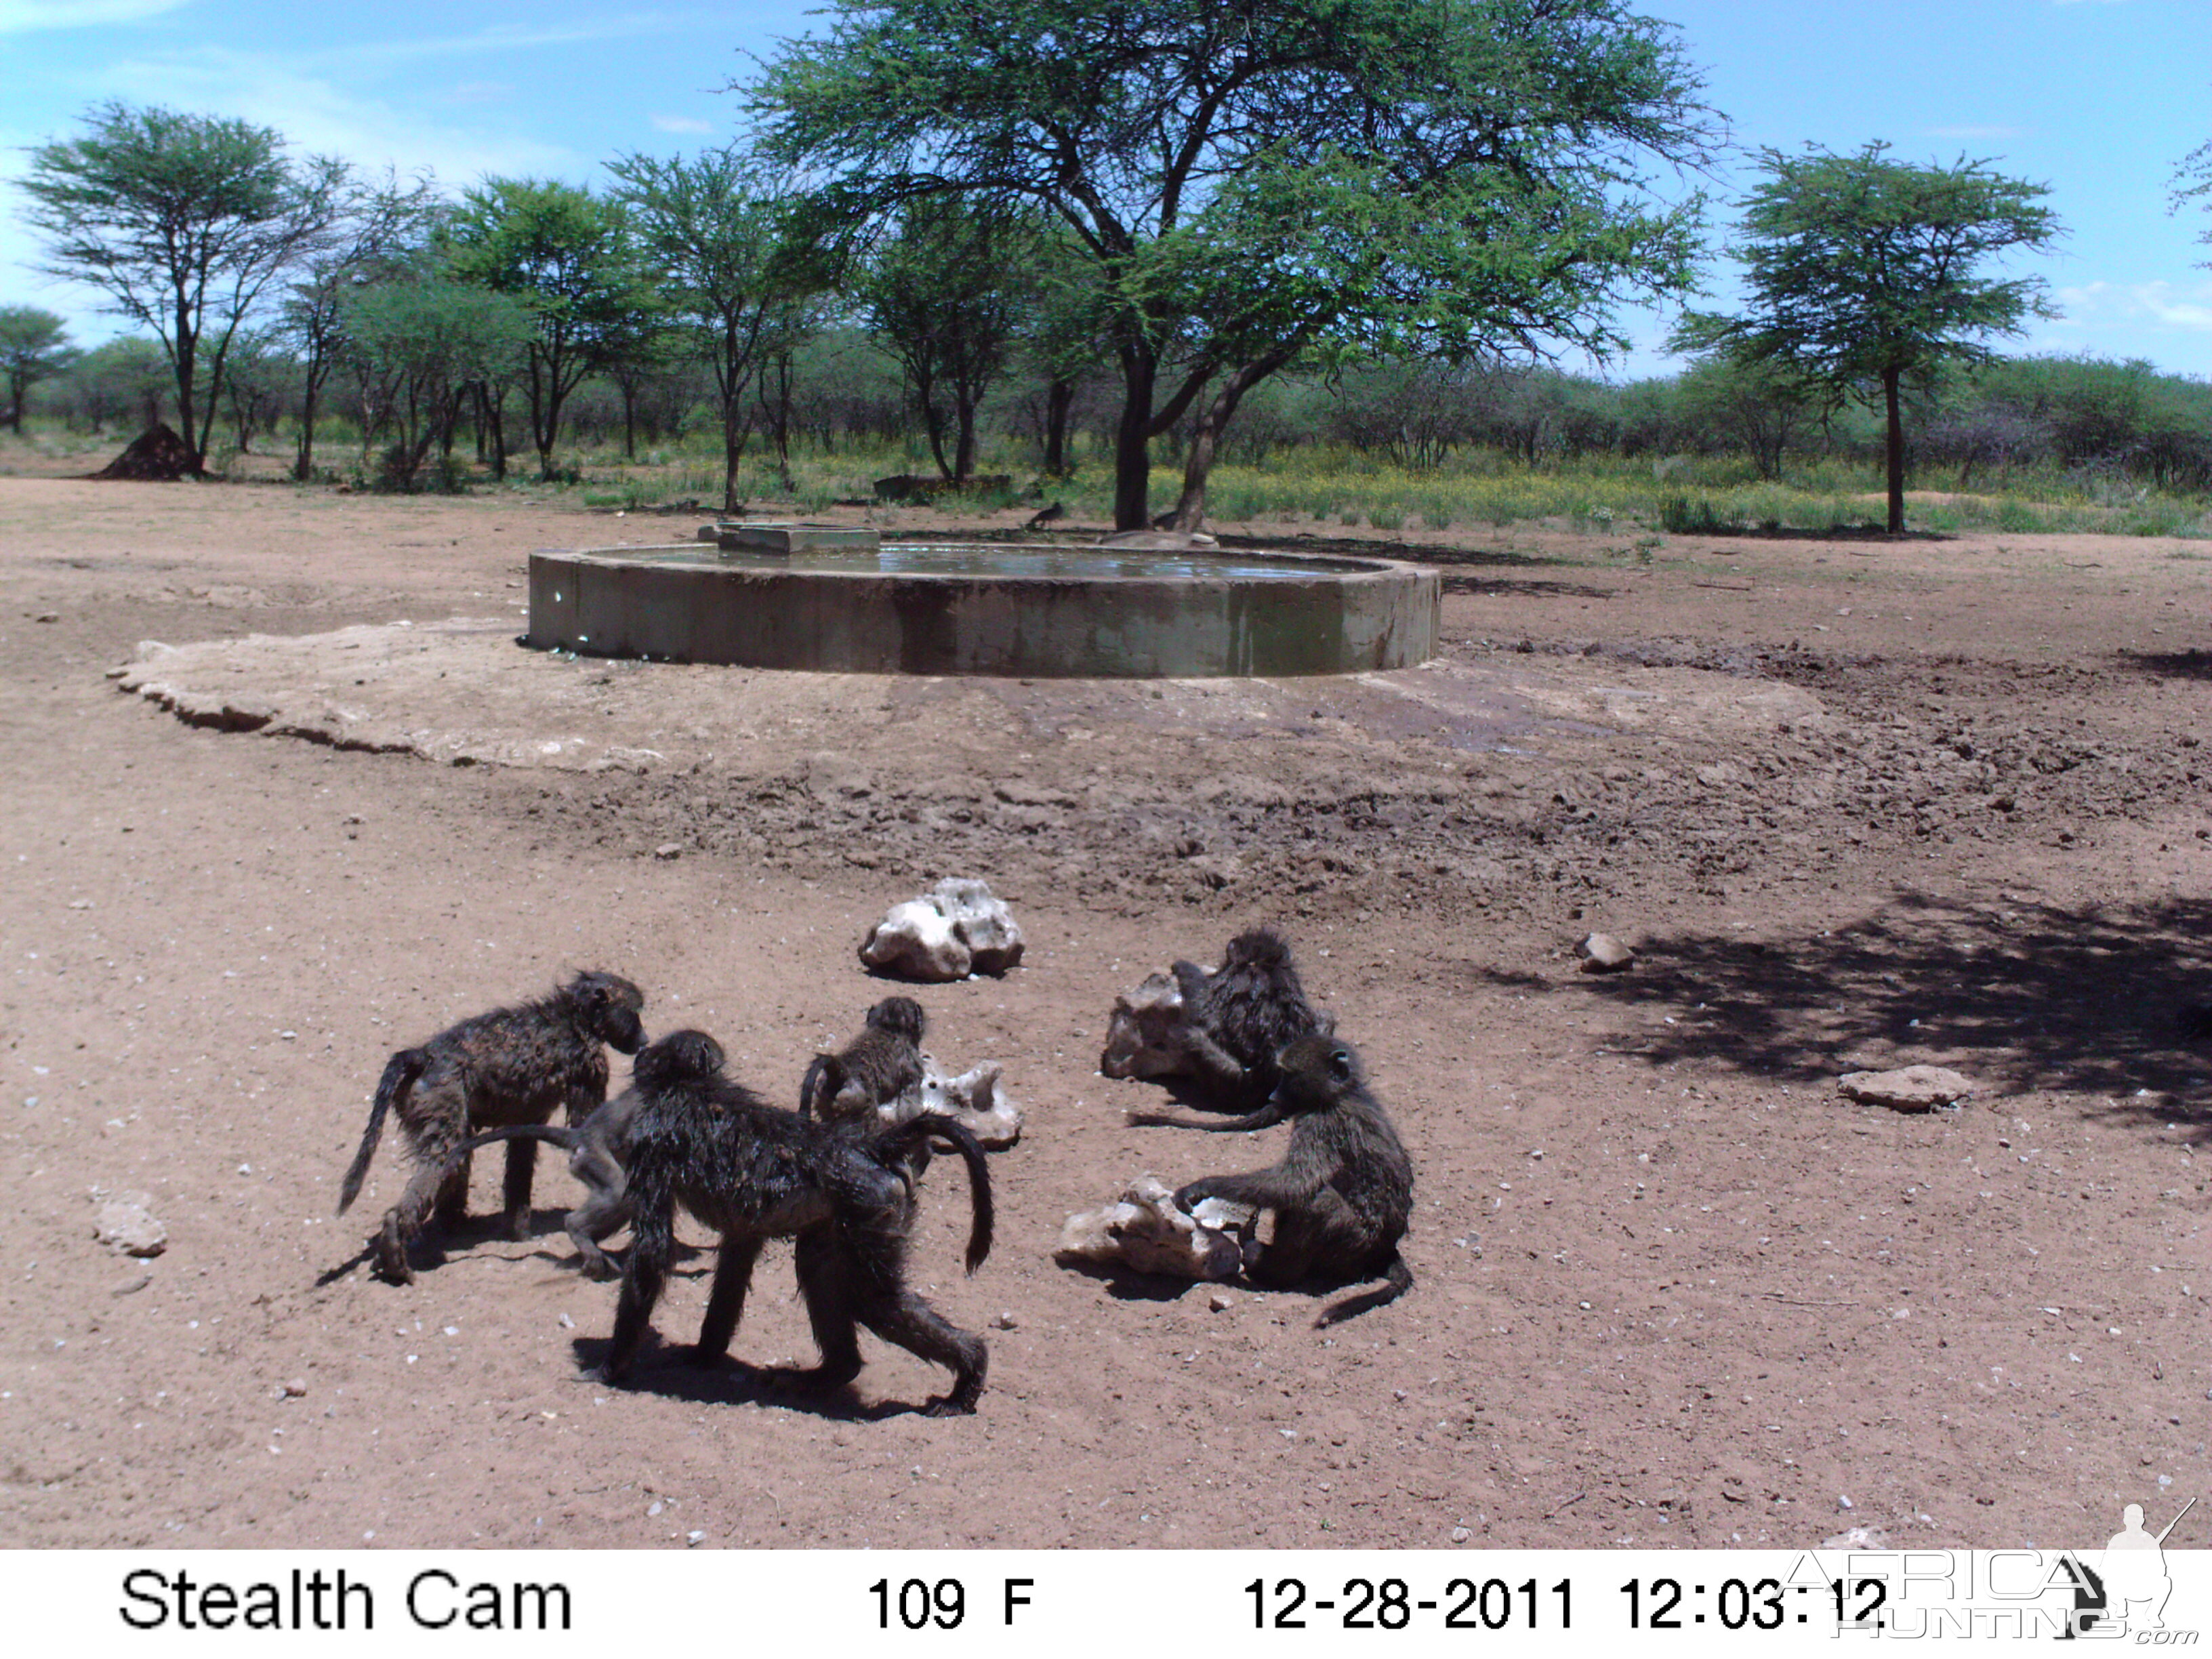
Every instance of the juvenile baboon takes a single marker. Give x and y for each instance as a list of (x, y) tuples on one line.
[(599, 1153), (1344, 1191), (1239, 1017), (511, 1066), (708, 1143), (873, 1070)]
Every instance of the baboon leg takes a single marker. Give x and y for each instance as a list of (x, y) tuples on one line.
[(1214, 1064), (606, 1210), (403, 1220), (904, 1318), (1325, 1229), (644, 1276), (733, 1276), (825, 1280), (452, 1205), (521, 1166)]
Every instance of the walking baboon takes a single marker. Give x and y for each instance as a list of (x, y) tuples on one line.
[(873, 1070), (707, 1143), (511, 1066), (1239, 1017), (599, 1153), (1344, 1191)]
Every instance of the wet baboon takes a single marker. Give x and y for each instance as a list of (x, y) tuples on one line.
[(1240, 1018), (873, 1070), (508, 1066), (599, 1152), (708, 1143), (1344, 1190)]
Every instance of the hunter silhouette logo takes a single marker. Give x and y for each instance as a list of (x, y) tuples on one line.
[(2135, 1582)]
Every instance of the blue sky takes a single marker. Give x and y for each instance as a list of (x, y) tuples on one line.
[(2097, 99)]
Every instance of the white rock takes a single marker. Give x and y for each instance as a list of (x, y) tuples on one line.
[(1147, 1036), (125, 1222), (975, 1098), (1145, 1232), (956, 929), (1913, 1088), (1601, 953)]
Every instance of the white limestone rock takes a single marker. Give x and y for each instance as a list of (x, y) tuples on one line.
[(1148, 1034), (125, 1222), (1911, 1088), (1145, 1232), (1601, 953), (974, 1097), (956, 929)]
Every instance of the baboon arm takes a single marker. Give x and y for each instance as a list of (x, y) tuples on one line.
[(1212, 1062), (1282, 1186)]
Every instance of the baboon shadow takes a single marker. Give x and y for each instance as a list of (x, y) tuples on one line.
[(664, 1369), (2099, 1000), (548, 1234)]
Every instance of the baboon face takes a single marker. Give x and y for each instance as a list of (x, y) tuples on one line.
[(900, 1016), (679, 1057), (612, 1006), (1316, 1071)]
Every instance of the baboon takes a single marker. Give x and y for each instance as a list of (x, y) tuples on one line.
[(599, 1152), (1240, 1018), (873, 1070), (1344, 1191), (511, 1066), (706, 1142)]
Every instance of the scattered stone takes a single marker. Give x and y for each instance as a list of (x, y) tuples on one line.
[(47, 616), (125, 1222), (1220, 1301), (1601, 953), (1857, 1538), (294, 1389), (1005, 1321), (956, 929), (133, 1284), (1145, 1232), (1913, 1088), (668, 849)]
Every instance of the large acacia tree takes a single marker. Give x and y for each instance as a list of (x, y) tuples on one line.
[(183, 221), (1253, 180), (1865, 272)]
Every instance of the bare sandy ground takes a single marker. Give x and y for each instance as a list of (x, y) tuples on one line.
[(1856, 803)]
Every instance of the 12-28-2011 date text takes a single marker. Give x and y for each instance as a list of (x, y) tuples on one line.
[(1391, 1604)]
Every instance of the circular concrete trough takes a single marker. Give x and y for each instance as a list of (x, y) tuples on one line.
[(987, 608)]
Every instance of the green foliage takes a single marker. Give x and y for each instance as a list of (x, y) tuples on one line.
[(568, 257), (1249, 185), (1863, 271), (34, 347), (419, 344), (182, 219)]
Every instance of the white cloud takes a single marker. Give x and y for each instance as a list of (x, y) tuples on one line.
[(23, 16), (2164, 304), (680, 124)]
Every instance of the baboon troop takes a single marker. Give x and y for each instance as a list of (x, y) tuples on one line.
[(511, 1066), (1344, 1191), (873, 1070), (706, 1143), (841, 1185)]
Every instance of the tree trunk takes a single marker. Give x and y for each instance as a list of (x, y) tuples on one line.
[(1893, 404), (1133, 449), (303, 466), (963, 450), (1059, 399), (1206, 436)]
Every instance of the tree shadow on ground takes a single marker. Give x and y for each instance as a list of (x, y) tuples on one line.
[(2191, 664), (2100, 1000)]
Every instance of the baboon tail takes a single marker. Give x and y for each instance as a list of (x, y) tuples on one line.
[(391, 1089), (1397, 1279), (808, 1085), (1266, 1117), (566, 1139), (934, 1125)]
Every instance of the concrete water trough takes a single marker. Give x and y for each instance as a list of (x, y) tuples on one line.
[(1033, 609)]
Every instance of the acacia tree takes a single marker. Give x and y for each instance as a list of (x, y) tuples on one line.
[(567, 256), (420, 343), (2192, 182), (1865, 272), (946, 294), (1249, 181), (183, 221), (34, 347), (378, 225), (736, 254)]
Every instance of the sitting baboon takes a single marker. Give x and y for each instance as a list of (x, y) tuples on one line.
[(508, 1066), (599, 1152), (1344, 1191), (873, 1070), (1238, 1019), (707, 1143)]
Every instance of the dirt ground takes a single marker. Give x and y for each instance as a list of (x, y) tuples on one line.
[(1855, 803)]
